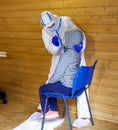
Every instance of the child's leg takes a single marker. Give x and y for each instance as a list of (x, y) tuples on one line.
[(42, 89), (53, 104), (52, 87)]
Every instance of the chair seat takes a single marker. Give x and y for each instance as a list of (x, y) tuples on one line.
[(60, 96)]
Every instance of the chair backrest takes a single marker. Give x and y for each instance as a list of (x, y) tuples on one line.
[(83, 78)]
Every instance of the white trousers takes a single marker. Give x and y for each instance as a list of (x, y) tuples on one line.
[(82, 106)]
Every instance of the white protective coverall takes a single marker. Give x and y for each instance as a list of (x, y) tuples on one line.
[(61, 25)]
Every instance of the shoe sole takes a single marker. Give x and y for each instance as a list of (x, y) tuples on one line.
[(50, 118)]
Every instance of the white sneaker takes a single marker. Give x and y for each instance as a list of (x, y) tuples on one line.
[(39, 108), (78, 123)]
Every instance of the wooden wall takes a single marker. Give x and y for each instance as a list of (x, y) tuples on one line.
[(27, 63)]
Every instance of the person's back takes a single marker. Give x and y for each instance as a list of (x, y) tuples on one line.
[(69, 60)]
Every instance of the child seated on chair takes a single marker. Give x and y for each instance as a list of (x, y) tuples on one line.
[(62, 79)]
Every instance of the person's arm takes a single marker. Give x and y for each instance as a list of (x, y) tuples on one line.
[(71, 26), (53, 49), (84, 42)]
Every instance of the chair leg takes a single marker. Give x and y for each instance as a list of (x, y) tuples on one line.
[(67, 113), (43, 120), (92, 121), (63, 114)]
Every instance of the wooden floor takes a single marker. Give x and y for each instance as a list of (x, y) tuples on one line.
[(15, 112)]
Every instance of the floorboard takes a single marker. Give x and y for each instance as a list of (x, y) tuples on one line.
[(15, 112)]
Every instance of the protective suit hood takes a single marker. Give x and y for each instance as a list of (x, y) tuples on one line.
[(47, 19)]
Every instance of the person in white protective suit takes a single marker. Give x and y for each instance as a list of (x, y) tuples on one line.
[(54, 28)]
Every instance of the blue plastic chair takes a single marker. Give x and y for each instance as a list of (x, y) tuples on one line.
[(82, 81)]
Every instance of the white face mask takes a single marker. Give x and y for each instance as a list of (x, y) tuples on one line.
[(54, 27)]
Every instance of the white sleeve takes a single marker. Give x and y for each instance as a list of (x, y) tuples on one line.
[(72, 26), (83, 61), (54, 62), (47, 39)]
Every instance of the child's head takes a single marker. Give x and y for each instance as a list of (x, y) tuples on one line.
[(73, 37)]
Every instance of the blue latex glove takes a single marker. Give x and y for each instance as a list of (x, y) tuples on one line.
[(79, 47), (55, 41)]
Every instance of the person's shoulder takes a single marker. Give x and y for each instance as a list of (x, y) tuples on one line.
[(66, 18), (44, 30)]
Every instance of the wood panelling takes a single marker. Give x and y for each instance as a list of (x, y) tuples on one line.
[(27, 64), (88, 20), (92, 11)]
